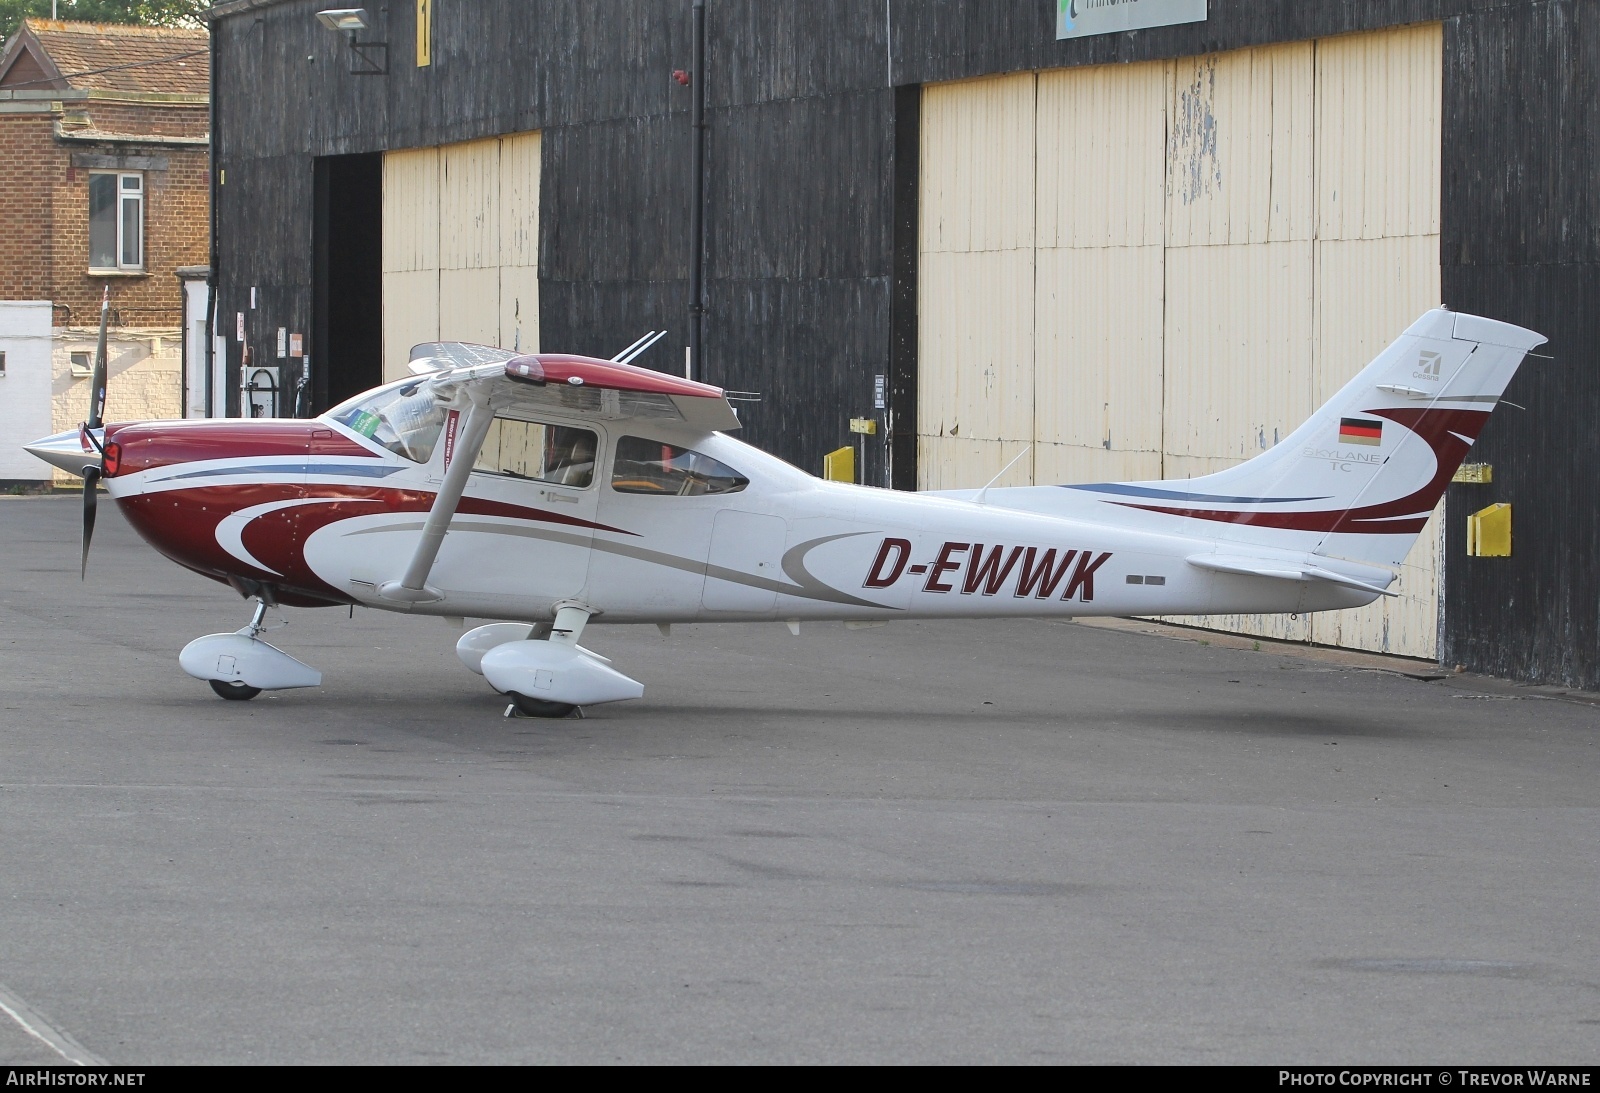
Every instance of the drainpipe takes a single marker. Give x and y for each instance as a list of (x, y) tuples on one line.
[(694, 367), (211, 275)]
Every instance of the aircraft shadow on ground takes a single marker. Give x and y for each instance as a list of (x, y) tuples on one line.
[(1263, 723)]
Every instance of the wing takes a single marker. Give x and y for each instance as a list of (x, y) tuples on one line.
[(607, 390), (441, 356)]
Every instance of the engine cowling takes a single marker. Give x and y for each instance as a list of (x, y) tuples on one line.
[(555, 672)]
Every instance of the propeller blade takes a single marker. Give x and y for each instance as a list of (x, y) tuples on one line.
[(91, 478), (97, 386)]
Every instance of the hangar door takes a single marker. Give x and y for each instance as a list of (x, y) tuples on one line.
[(461, 246), (1158, 270)]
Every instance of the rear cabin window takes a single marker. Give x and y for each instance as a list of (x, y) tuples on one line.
[(649, 466), (558, 454)]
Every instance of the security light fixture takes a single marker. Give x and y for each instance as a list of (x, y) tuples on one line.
[(351, 19), (366, 58)]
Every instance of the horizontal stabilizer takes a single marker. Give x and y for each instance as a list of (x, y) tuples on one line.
[(1283, 569)]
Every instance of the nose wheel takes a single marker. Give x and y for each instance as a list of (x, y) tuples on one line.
[(240, 665), (234, 692)]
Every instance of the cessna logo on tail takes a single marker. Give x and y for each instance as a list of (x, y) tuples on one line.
[(1427, 366), (968, 568)]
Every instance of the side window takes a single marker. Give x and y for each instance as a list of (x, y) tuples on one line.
[(116, 221), (649, 466), (558, 454)]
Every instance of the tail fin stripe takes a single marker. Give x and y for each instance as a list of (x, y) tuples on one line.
[(1449, 433), (1354, 521)]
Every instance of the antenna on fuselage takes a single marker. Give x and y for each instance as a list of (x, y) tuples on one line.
[(978, 500)]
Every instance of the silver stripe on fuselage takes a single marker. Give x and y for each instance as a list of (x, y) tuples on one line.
[(805, 586)]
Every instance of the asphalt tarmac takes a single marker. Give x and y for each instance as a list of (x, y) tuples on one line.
[(943, 842)]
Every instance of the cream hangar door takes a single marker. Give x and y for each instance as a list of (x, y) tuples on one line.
[(461, 246), (1158, 270)]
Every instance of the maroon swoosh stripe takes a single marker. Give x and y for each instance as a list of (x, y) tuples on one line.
[(1441, 429), (182, 524)]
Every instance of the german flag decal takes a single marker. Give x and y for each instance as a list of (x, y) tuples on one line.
[(1358, 430)]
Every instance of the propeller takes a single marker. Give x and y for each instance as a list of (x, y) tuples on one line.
[(93, 472)]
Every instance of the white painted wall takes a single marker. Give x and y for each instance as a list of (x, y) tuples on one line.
[(196, 296), (25, 389)]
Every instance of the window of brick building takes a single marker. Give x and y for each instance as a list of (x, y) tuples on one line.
[(116, 221)]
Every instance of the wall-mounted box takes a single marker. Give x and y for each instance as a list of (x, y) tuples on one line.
[(1489, 532)]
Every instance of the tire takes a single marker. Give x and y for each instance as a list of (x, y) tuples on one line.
[(538, 707), (235, 692)]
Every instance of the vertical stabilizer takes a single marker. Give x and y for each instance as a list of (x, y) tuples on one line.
[(1359, 479)]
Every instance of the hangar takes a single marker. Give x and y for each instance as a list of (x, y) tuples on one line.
[(1145, 244)]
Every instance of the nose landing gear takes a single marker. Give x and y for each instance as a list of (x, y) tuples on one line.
[(240, 665), (235, 692)]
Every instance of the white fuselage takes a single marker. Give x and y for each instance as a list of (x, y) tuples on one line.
[(788, 546)]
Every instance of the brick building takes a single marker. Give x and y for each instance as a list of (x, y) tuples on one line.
[(104, 180)]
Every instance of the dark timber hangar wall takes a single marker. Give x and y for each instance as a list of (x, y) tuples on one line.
[(800, 124), (811, 211)]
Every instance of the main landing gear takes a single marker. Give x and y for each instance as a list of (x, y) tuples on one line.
[(240, 665), (523, 706), (551, 676)]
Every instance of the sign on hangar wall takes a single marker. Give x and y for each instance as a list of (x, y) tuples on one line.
[(1082, 18)]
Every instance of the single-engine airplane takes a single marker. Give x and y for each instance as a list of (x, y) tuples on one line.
[(552, 491)]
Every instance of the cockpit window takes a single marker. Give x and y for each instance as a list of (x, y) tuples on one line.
[(649, 466), (403, 419), (558, 454)]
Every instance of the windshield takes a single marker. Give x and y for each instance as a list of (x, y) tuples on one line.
[(403, 419)]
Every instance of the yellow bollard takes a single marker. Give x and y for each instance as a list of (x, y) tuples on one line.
[(840, 465)]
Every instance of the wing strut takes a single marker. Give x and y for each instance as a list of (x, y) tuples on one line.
[(413, 587)]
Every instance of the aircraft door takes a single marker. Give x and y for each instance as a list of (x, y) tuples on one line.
[(746, 552), (660, 504), (524, 531)]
